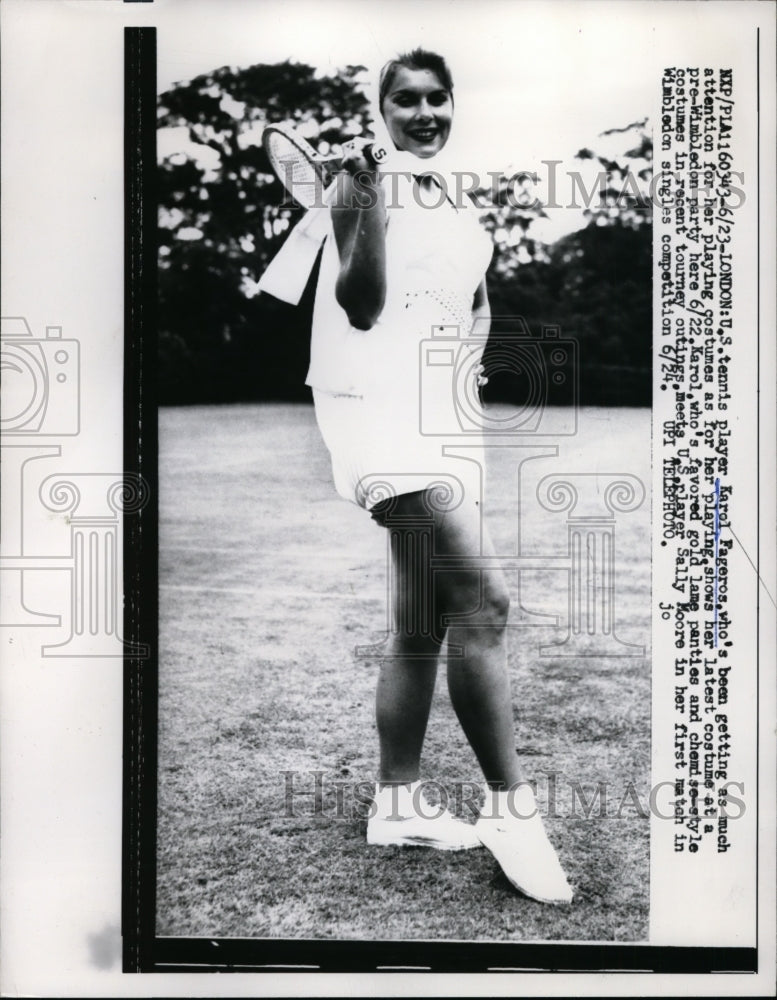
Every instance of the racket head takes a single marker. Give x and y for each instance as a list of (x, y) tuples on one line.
[(297, 165)]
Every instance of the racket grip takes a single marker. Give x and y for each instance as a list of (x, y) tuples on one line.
[(376, 152), (373, 153)]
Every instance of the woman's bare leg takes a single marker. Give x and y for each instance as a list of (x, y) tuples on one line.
[(407, 675), (478, 681), (402, 705), (472, 600), (476, 602)]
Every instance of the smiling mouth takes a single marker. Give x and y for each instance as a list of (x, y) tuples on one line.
[(423, 134)]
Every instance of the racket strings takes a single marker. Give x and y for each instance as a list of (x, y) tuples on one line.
[(294, 168)]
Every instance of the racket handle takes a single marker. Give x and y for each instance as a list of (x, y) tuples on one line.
[(372, 152), (377, 153)]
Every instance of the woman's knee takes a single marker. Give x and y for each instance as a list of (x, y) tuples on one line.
[(480, 598), (496, 601), (415, 643)]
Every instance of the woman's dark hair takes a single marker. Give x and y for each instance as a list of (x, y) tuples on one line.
[(417, 59)]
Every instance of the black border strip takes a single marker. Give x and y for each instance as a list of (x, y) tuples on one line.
[(271, 955), (143, 951), (140, 530), (757, 472)]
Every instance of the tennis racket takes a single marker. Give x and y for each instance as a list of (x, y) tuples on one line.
[(303, 172)]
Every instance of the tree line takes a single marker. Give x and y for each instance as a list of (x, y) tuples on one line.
[(223, 216)]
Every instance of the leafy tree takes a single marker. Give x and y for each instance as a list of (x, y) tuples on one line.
[(595, 284), (221, 224), (625, 199)]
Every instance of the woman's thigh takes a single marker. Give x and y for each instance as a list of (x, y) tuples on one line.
[(446, 561)]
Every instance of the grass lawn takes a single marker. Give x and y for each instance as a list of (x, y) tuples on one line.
[(268, 580)]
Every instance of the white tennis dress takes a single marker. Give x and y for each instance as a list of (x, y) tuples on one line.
[(388, 400)]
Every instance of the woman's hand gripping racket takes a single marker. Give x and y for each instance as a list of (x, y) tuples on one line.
[(305, 173)]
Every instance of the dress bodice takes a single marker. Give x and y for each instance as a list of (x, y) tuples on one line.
[(435, 259)]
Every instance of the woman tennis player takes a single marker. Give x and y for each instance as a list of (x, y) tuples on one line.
[(402, 263)]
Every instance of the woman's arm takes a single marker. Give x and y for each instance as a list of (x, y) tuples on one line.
[(359, 222), (481, 310), (481, 322)]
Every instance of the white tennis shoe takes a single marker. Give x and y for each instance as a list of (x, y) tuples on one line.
[(511, 828), (405, 818)]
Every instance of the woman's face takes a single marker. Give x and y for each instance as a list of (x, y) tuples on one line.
[(418, 111)]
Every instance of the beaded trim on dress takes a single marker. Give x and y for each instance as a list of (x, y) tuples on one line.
[(454, 307)]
